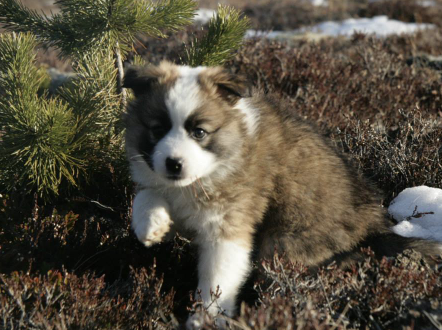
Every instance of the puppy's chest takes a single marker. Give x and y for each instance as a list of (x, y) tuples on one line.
[(203, 217)]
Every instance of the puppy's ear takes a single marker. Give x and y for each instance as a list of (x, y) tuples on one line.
[(142, 79), (233, 88), (139, 80), (230, 87)]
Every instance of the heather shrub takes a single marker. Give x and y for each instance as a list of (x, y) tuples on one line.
[(404, 153), (383, 294), (388, 294), (62, 300), (75, 264), (293, 14), (405, 10), (364, 80)]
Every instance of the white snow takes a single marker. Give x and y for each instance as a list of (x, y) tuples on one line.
[(381, 26), (319, 2), (419, 213), (264, 34), (423, 3), (204, 15), (428, 3)]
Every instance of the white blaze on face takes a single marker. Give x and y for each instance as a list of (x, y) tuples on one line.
[(181, 101)]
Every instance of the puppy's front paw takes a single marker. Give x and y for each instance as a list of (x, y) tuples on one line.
[(151, 228)]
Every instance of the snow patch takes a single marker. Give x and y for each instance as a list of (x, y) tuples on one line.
[(380, 26), (423, 3), (266, 34), (319, 2), (204, 15), (419, 213)]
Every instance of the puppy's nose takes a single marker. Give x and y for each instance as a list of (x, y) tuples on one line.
[(174, 165)]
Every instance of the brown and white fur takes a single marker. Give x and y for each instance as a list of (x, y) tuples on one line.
[(239, 171)]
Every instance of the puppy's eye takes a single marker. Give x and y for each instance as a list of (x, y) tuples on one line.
[(157, 131), (198, 133)]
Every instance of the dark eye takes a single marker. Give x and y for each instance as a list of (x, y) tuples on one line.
[(157, 131), (198, 133)]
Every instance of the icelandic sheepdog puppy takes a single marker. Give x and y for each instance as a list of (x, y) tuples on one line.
[(243, 173)]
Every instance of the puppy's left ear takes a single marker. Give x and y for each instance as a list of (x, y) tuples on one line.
[(231, 87)]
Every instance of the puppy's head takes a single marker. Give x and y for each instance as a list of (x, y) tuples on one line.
[(185, 123)]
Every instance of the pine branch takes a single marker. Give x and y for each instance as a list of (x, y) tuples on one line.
[(153, 17), (225, 34), (96, 104), (15, 16), (92, 93), (16, 53), (70, 33), (81, 26), (84, 25), (38, 144), (47, 142), (129, 18)]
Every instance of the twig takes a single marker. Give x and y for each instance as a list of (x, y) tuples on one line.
[(102, 206), (325, 295), (433, 320), (417, 214), (341, 317), (376, 325), (120, 76)]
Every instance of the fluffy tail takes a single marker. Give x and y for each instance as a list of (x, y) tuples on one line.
[(389, 244)]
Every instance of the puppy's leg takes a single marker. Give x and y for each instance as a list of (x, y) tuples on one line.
[(150, 217), (222, 264)]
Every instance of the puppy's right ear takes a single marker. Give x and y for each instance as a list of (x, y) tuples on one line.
[(138, 79)]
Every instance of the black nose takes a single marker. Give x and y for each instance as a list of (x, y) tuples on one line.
[(174, 165)]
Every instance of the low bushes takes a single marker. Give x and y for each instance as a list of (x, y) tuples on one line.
[(75, 264)]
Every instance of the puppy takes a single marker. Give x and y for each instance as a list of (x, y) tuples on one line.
[(239, 172)]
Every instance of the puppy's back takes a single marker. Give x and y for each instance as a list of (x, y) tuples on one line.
[(321, 208)]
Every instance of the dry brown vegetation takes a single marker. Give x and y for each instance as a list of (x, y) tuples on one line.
[(291, 14), (77, 265)]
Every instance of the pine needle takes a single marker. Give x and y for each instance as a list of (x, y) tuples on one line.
[(225, 34)]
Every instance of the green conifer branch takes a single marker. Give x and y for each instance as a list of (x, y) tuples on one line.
[(15, 16), (92, 96), (83, 25), (46, 142), (225, 34), (154, 17), (60, 30), (38, 143), (80, 27), (128, 18)]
